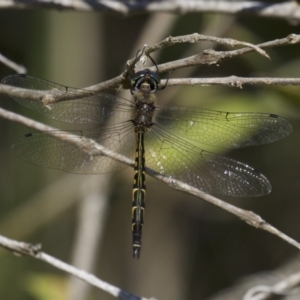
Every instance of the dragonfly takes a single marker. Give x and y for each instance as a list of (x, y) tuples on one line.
[(168, 140)]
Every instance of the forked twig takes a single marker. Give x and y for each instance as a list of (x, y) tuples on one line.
[(196, 37), (11, 64), (234, 81), (286, 287), (207, 57), (21, 248), (288, 10)]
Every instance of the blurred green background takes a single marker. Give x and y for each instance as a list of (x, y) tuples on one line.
[(191, 249)]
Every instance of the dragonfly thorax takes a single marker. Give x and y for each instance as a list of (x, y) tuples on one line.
[(143, 114), (144, 95)]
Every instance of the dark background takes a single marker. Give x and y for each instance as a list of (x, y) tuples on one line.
[(191, 249)]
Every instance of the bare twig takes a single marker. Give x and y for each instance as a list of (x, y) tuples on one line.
[(207, 57), (248, 216), (234, 81), (195, 38), (231, 81), (286, 10), (22, 248), (210, 57), (280, 283), (95, 149), (11, 64), (286, 287)]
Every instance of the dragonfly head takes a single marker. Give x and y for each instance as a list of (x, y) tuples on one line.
[(142, 77)]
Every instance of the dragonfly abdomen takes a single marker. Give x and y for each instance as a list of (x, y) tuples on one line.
[(138, 195)]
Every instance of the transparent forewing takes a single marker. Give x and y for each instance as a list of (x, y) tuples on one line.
[(210, 173), (67, 104), (222, 129), (74, 152)]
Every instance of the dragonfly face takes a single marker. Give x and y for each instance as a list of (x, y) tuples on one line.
[(145, 77), (168, 140)]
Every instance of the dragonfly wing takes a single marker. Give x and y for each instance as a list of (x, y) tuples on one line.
[(211, 173), (73, 151), (67, 104), (222, 129)]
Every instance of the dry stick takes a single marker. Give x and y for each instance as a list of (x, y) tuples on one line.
[(195, 38), (233, 81), (282, 288), (210, 57), (248, 216), (216, 55), (287, 10), (96, 149), (11, 64), (207, 57), (21, 248)]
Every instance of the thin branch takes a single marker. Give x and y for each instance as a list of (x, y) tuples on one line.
[(199, 59), (210, 57), (287, 287), (286, 10), (96, 149), (248, 216), (11, 64), (231, 81), (22, 248), (234, 81), (196, 38), (207, 57)]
